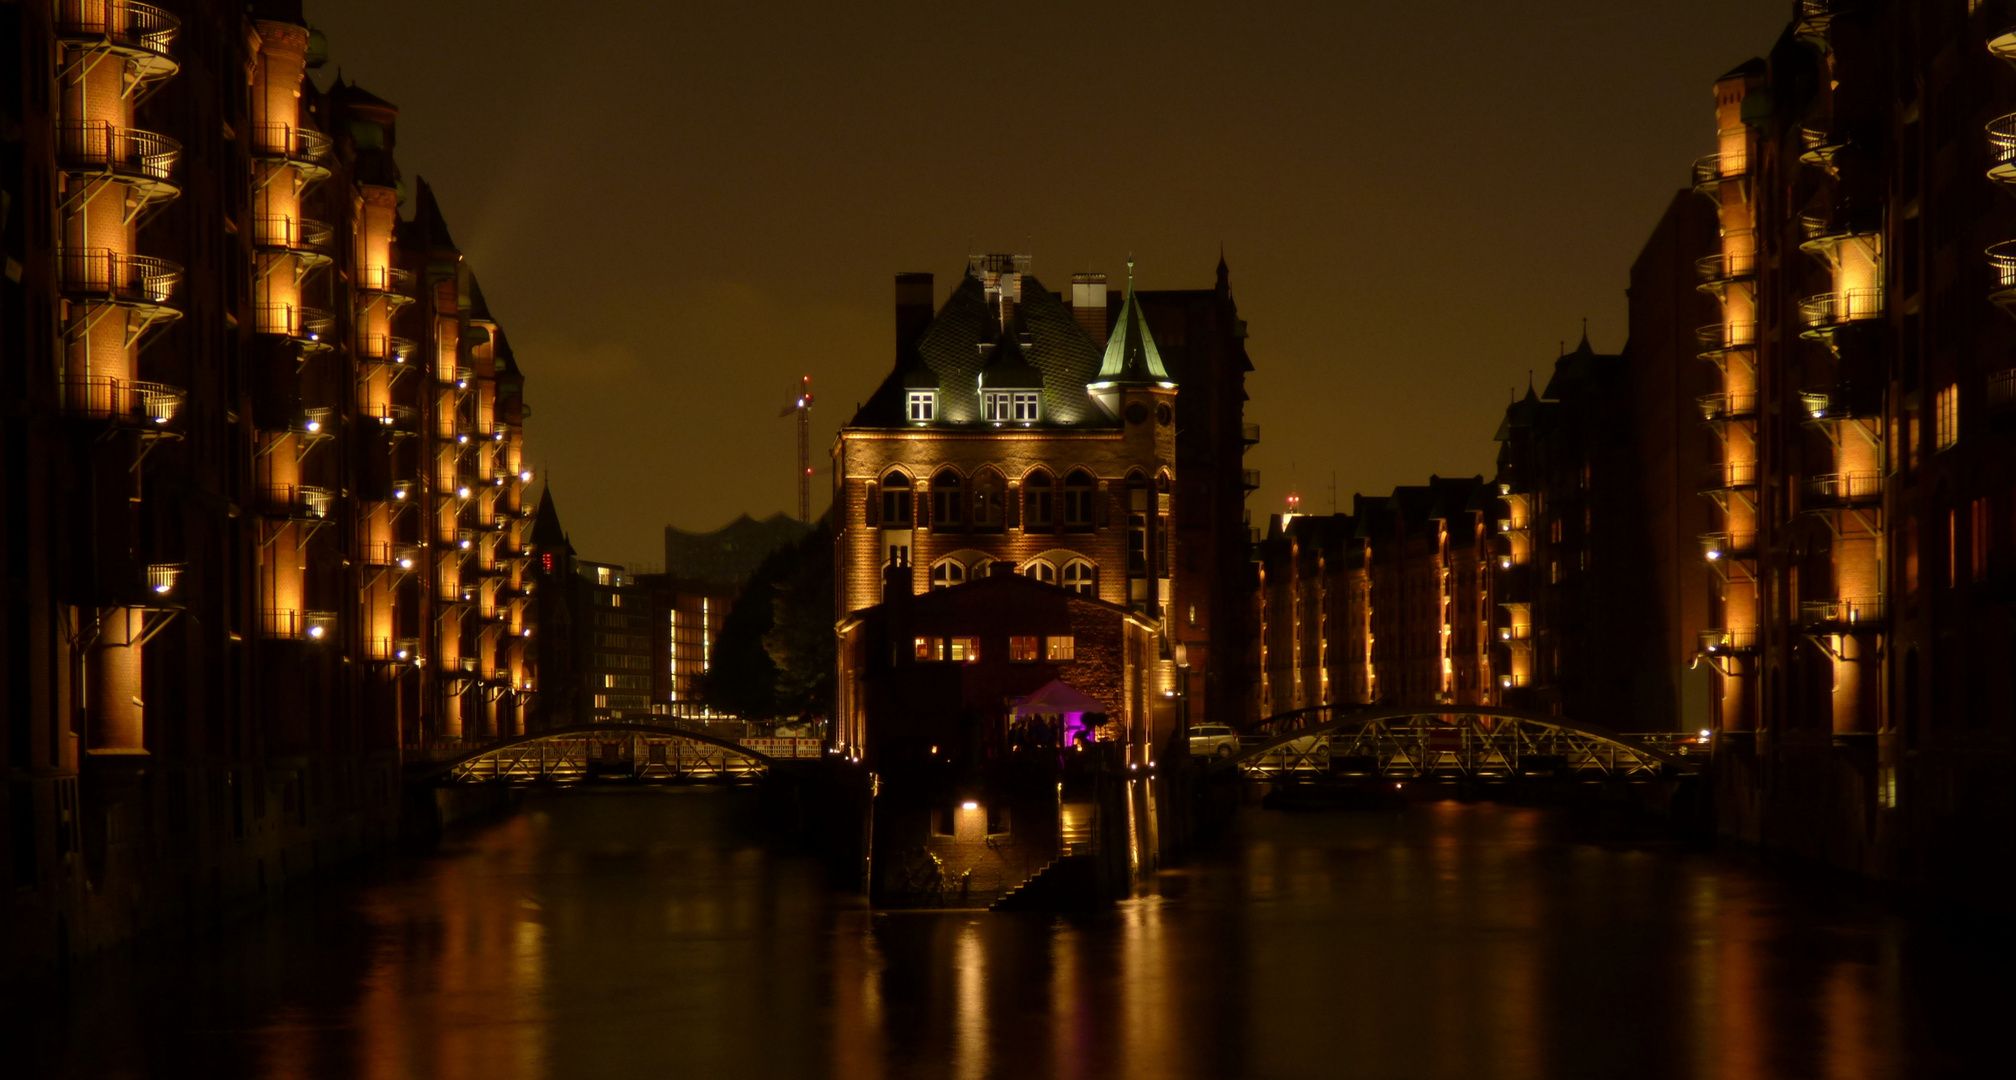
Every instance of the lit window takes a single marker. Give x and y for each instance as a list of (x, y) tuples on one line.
[(1078, 499), (1024, 647), (987, 499), (1025, 405), (947, 573), (1040, 570), (946, 500), (930, 648), (923, 404), (1039, 495), (1946, 421), (1081, 577), (965, 649), (895, 501), (1060, 648), (999, 405)]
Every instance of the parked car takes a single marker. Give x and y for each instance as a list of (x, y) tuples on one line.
[(1213, 740)]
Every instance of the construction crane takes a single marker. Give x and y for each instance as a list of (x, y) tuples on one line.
[(803, 407)]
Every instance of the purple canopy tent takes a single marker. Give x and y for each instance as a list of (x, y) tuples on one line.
[(1056, 698)]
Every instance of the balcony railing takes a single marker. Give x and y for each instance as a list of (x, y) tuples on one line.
[(1728, 475), (1728, 642), (304, 501), (1838, 402), (2002, 259), (1249, 433), (298, 625), (1249, 479), (119, 24), (399, 418), (1836, 308), (1727, 406), (1840, 489), (127, 279), (391, 554), (385, 279), (296, 321), (1726, 266), (162, 578), (1713, 168), (1726, 335), (2002, 149), (99, 146), (296, 144), (2002, 390), (394, 650), (1846, 613), (385, 348), (1718, 546), (146, 405), (1516, 633), (292, 233)]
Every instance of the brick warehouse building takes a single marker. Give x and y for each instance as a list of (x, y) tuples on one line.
[(261, 465), (1016, 429), (1865, 488), (1054, 437)]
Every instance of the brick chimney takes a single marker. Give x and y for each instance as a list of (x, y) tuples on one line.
[(1088, 305), (913, 311)]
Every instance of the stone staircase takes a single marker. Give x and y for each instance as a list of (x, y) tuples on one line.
[(1070, 883)]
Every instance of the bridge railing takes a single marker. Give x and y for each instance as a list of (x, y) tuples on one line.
[(1483, 743)]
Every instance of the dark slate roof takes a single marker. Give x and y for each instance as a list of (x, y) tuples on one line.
[(1057, 347), (1009, 368)]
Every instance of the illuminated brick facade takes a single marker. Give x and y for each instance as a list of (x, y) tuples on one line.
[(261, 464), (1018, 433), (1864, 488)]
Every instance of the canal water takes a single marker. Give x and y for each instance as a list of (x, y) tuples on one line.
[(616, 934)]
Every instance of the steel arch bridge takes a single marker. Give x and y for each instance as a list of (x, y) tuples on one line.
[(1465, 742), (641, 751)]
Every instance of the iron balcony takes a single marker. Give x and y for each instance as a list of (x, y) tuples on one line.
[(1728, 642), (1830, 491), (147, 406), (1844, 616), (141, 34)]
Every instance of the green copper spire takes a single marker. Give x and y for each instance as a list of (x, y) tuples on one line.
[(1131, 355)]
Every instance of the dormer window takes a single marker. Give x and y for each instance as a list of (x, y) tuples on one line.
[(923, 405), (1003, 406)]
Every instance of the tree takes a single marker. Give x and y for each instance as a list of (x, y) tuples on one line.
[(800, 642), (775, 654)]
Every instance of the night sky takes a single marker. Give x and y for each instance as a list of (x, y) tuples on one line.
[(677, 209)]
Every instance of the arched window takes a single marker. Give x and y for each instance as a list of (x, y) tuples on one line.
[(1041, 570), (947, 502), (1078, 488), (981, 568), (946, 573), (987, 488), (1039, 494), (1137, 524), (895, 501), (1081, 577)]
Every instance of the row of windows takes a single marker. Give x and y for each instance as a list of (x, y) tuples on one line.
[(951, 505), (1078, 575), (623, 620), (623, 641), (627, 682), (1022, 648), (621, 660), (999, 406)]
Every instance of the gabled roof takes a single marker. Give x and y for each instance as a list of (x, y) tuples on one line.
[(1131, 356), (1008, 368), (1056, 347)]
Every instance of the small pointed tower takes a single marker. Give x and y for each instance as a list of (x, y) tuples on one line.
[(1137, 389)]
